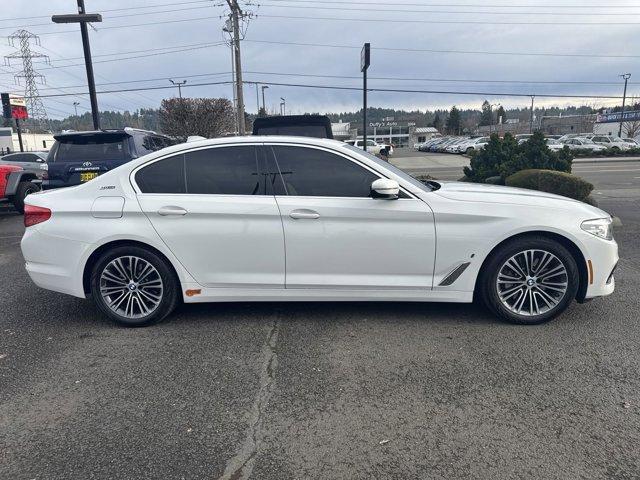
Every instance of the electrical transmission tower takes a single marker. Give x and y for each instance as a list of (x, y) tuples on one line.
[(22, 39)]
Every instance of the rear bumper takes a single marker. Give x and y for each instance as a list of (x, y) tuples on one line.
[(59, 271)]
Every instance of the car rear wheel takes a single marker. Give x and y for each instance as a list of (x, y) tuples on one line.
[(530, 280), (23, 189), (134, 286)]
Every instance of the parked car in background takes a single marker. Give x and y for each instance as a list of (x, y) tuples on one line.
[(206, 222), (35, 162), (631, 142), (608, 141), (424, 147), (373, 147), (77, 157), (554, 145), (456, 145), (474, 144), (583, 144), (16, 184), (570, 135)]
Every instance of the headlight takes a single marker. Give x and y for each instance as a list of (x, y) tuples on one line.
[(600, 227)]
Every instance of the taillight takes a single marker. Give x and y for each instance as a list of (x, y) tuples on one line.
[(34, 215)]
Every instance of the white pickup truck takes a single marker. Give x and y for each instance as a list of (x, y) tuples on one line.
[(373, 147)]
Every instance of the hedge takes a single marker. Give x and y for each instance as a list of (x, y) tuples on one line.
[(550, 181)]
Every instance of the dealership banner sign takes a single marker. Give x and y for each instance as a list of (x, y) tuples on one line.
[(631, 116), (14, 106)]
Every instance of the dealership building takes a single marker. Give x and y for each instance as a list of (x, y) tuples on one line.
[(396, 132)]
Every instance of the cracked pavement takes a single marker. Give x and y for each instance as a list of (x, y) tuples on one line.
[(319, 390)]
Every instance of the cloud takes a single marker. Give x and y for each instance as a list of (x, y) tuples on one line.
[(392, 32)]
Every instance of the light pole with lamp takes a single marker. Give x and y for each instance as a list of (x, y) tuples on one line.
[(491, 105), (283, 106)]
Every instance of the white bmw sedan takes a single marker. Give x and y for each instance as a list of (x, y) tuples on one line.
[(295, 219)]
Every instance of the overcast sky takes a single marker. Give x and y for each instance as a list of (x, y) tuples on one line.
[(521, 27)]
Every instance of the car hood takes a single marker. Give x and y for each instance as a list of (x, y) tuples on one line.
[(480, 192)]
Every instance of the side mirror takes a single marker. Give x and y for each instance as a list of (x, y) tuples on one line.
[(385, 188)]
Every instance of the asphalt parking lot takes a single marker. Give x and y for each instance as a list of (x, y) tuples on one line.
[(324, 390)]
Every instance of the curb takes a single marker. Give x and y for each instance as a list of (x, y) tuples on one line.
[(607, 160)]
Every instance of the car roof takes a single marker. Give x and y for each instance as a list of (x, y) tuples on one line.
[(180, 147), (106, 131)]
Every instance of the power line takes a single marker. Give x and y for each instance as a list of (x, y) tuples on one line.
[(358, 89), (173, 4), (454, 12), (446, 22), (403, 4), (427, 50), (53, 67)]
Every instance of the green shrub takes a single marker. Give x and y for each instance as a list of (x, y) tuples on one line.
[(486, 163), (535, 154), (504, 157), (560, 183)]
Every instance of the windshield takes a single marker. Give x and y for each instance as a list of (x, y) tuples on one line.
[(586, 140), (400, 173)]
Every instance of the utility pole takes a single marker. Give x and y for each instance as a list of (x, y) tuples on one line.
[(236, 15), (531, 119), (75, 107), (264, 107), (365, 60), (82, 17), (179, 85), (626, 77)]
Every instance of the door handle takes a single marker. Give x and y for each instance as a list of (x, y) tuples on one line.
[(172, 211), (304, 214)]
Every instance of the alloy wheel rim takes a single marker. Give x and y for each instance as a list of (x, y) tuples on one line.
[(532, 282), (131, 287)]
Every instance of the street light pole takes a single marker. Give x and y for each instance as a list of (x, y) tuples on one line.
[(82, 17), (626, 77), (179, 85), (531, 120), (264, 107), (283, 106), (75, 107)]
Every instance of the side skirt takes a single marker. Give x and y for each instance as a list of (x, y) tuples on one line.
[(319, 295)]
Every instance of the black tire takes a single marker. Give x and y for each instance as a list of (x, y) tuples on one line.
[(170, 286), (24, 189), (488, 281), (469, 151)]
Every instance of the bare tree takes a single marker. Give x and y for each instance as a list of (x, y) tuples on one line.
[(632, 128), (206, 117)]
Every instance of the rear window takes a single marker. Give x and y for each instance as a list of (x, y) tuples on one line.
[(90, 148)]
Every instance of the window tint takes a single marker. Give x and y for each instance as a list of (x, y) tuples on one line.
[(164, 176), (312, 172), (224, 171)]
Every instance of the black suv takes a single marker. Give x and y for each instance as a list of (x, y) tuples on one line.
[(77, 157)]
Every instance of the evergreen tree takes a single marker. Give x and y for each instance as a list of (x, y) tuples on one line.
[(437, 122), (453, 121), (486, 118)]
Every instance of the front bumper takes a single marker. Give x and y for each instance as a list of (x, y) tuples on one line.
[(601, 261)]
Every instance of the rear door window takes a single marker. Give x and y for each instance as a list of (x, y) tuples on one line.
[(163, 176)]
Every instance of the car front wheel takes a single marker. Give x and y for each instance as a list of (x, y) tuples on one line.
[(134, 286), (530, 280)]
